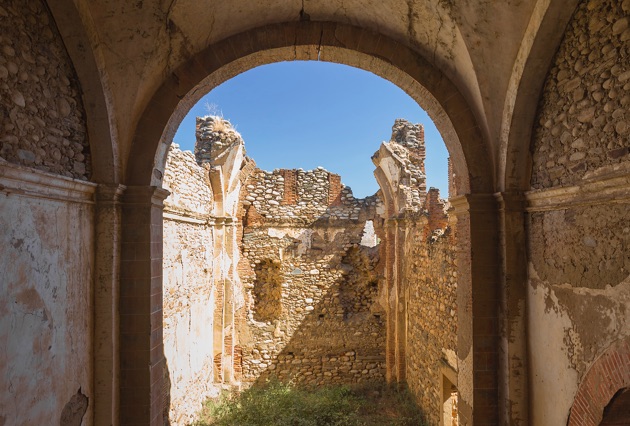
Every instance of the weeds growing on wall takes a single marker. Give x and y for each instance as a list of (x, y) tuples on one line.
[(279, 404)]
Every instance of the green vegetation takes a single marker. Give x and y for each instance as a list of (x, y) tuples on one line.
[(278, 404)]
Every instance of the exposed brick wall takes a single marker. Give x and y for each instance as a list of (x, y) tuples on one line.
[(608, 374), (334, 189), (290, 187), (435, 208)]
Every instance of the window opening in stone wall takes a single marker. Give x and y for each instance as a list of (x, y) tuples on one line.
[(449, 403), (282, 269), (359, 289), (268, 290), (369, 237)]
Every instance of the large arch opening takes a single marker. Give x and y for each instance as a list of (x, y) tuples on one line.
[(335, 43), (308, 304)]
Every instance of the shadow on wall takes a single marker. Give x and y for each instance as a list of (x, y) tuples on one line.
[(313, 315)]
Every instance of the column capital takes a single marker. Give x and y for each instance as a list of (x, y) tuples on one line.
[(468, 203), (511, 201), (109, 193), (145, 195)]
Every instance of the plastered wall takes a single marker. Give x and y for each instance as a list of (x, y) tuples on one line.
[(189, 291), (46, 259), (579, 262), (47, 218)]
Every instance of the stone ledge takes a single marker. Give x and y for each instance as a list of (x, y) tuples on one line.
[(198, 218), (604, 186), (27, 182)]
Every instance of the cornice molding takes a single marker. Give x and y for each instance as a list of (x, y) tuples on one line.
[(23, 181), (606, 186)]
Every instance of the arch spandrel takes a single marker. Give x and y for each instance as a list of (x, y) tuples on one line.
[(309, 41), (72, 21), (540, 43)]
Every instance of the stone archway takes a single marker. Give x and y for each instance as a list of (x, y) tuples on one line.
[(326, 41), (141, 278)]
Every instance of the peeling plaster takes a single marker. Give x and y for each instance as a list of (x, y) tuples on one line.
[(569, 327)]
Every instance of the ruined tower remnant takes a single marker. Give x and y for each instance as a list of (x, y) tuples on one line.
[(401, 176), (222, 150), (400, 168)]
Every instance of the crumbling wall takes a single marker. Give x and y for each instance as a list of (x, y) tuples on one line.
[(329, 326), (430, 273), (420, 272), (189, 294), (42, 120), (579, 262)]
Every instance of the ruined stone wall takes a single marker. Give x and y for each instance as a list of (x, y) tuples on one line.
[(189, 294), (579, 262), (42, 121), (302, 230), (431, 277)]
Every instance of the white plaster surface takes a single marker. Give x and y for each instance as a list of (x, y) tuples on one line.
[(46, 261)]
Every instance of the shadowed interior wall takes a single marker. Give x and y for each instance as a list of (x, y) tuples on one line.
[(579, 262), (430, 272), (47, 222), (302, 233)]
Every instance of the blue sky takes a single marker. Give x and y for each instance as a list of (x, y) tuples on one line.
[(307, 114)]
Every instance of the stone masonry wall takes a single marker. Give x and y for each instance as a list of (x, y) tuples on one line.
[(329, 326), (421, 278), (431, 276), (42, 121), (579, 262), (583, 116), (313, 298)]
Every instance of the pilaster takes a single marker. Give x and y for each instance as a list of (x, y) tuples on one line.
[(513, 382), (141, 355), (477, 234), (108, 223)]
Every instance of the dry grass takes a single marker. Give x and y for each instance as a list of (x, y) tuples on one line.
[(278, 404), (220, 125)]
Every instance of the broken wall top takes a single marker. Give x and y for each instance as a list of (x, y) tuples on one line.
[(291, 196), (215, 138), (400, 168)]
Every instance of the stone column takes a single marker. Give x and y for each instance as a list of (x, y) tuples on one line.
[(106, 307), (141, 352), (477, 301), (513, 382)]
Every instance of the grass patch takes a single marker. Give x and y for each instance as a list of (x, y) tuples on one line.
[(279, 404)]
